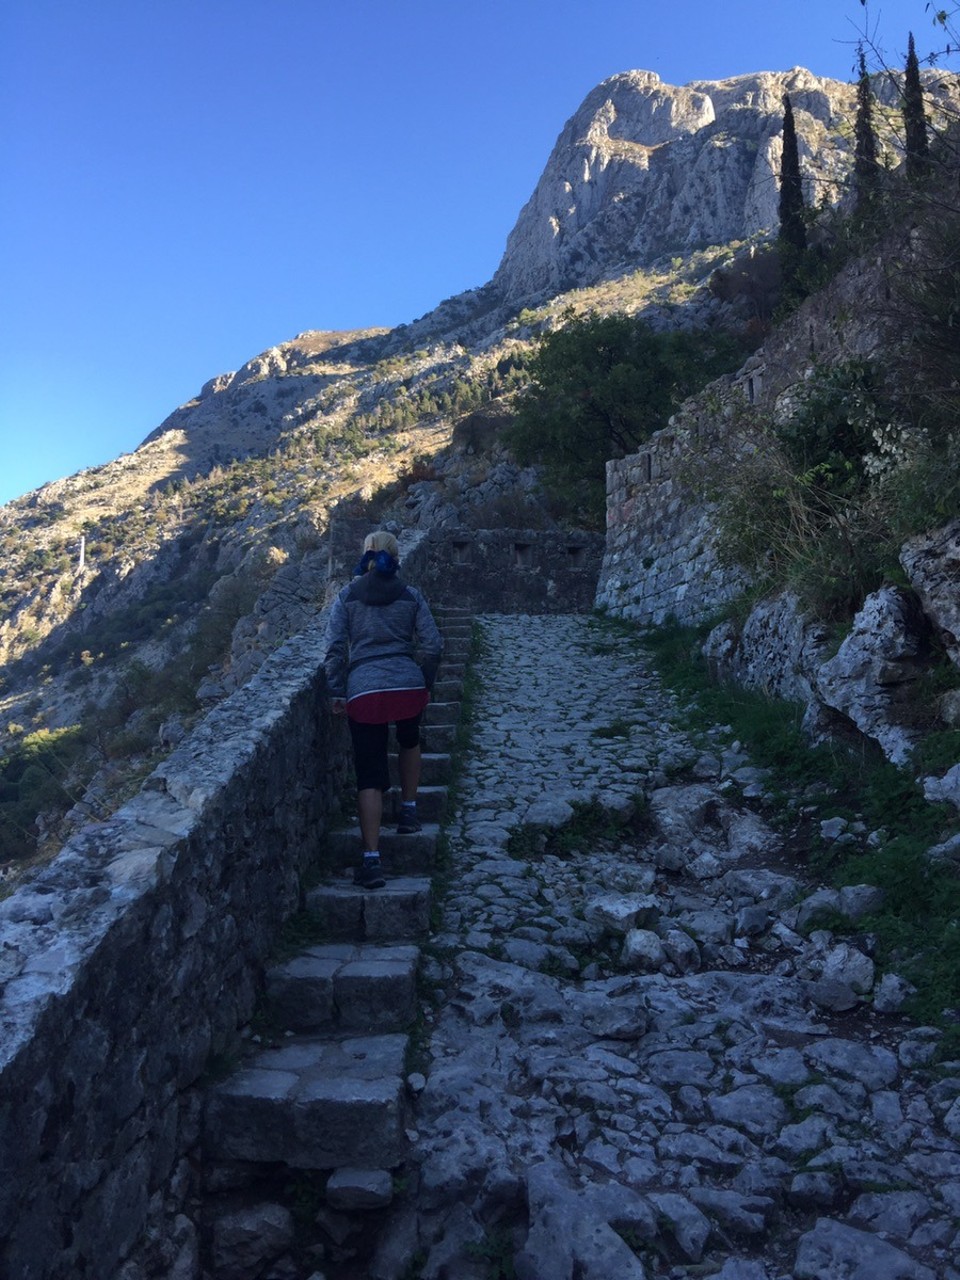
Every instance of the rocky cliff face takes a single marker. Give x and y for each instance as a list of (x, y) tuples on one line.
[(646, 169)]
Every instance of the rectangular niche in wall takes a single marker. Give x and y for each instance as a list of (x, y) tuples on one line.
[(461, 553), (523, 555), (576, 557)]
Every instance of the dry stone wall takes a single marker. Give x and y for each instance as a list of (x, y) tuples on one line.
[(661, 556), (487, 570), (130, 963), (513, 570)]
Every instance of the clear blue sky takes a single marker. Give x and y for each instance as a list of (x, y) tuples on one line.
[(186, 182)]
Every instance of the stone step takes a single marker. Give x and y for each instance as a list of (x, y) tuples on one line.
[(453, 666), (442, 713), (345, 986), (435, 767), (438, 737), (452, 670), (431, 804), (314, 1103), (448, 690), (401, 855), (398, 912)]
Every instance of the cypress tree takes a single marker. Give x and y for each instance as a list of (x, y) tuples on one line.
[(914, 119), (793, 231), (792, 236), (866, 172)]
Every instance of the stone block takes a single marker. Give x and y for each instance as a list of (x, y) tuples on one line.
[(313, 1104), (400, 855), (350, 1190)]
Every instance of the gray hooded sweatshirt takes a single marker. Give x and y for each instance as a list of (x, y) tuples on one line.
[(381, 635)]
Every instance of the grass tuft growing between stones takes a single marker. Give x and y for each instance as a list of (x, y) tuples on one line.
[(590, 823), (918, 929)]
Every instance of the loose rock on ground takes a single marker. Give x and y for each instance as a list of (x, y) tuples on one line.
[(644, 1055)]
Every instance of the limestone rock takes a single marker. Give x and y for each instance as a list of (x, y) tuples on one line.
[(834, 1249), (945, 790), (870, 678), (680, 814), (642, 949), (846, 964), (682, 951), (549, 812), (622, 912), (950, 708), (778, 650), (859, 900), (246, 1241), (644, 168), (932, 563), (892, 993)]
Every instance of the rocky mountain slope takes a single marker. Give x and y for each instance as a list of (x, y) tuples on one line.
[(207, 546)]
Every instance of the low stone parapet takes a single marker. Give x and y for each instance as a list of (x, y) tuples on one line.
[(130, 963)]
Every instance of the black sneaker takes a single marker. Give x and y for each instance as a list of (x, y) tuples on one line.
[(409, 824), (369, 875)]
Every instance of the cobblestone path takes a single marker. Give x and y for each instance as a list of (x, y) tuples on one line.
[(645, 1059)]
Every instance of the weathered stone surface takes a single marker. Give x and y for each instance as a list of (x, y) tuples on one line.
[(314, 1104), (945, 790), (400, 910), (892, 993), (682, 813), (642, 949), (834, 1249), (845, 964), (568, 1237), (682, 951), (246, 1242), (351, 1189), (871, 1065), (163, 912), (684, 1221), (622, 912), (778, 650), (932, 563), (870, 678)]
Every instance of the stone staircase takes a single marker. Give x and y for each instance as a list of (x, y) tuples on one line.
[(330, 1092)]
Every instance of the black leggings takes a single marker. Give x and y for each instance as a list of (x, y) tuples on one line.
[(370, 750)]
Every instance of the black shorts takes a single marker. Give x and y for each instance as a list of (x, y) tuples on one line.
[(370, 750)]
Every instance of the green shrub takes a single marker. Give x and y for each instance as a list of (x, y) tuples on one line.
[(599, 387)]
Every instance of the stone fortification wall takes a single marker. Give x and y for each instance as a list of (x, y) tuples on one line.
[(660, 558), (511, 570), (130, 963), (487, 570)]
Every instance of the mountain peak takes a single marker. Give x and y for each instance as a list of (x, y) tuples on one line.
[(644, 168)]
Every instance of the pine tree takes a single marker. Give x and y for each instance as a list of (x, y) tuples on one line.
[(866, 170), (914, 119)]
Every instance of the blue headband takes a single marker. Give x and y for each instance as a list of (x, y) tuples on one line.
[(382, 561)]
